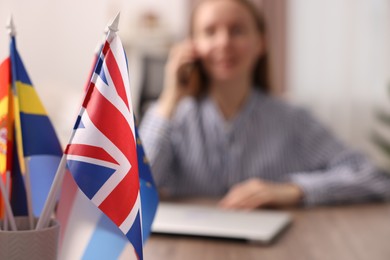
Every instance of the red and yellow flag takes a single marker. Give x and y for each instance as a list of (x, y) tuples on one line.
[(6, 123)]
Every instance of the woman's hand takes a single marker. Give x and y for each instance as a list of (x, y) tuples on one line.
[(178, 77), (255, 193)]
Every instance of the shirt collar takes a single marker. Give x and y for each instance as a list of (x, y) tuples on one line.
[(216, 117)]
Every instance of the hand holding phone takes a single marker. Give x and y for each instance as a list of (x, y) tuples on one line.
[(181, 76), (188, 77)]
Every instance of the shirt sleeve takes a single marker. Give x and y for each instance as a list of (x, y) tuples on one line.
[(337, 174), (155, 134)]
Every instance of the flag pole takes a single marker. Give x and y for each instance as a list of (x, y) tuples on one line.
[(8, 208), (59, 177), (27, 184), (7, 189), (23, 161), (51, 197)]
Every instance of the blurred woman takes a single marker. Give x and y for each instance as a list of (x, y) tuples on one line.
[(215, 131)]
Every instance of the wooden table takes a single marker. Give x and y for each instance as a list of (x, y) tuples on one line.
[(337, 232)]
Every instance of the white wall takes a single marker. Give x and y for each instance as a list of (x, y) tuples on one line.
[(339, 63), (173, 13), (57, 38)]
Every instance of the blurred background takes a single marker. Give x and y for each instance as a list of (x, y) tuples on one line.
[(330, 56)]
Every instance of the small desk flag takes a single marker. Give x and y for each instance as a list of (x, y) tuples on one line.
[(102, 156), (32, 144)]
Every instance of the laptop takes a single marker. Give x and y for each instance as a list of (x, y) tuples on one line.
[(260, 226)]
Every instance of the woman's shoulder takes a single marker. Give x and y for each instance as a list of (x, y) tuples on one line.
[(186, 110)]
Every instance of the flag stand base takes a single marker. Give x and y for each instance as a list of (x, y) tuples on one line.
[(29, 244)]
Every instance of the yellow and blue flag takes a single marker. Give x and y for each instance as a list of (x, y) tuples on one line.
[(36, 144)]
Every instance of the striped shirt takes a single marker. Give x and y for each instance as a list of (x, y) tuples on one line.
[(199, 153)]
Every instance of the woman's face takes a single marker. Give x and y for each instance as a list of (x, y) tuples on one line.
[(226, 39)]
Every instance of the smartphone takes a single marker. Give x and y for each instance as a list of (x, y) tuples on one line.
[(189, 77)]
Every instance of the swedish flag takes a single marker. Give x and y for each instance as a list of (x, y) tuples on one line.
[(37, 146)]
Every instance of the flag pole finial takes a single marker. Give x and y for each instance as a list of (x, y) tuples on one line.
[(114, 24), (11, 26)]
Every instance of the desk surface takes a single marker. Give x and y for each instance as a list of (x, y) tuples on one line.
[(340, 232)]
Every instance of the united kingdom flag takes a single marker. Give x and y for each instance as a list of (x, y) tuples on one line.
[(101, 154)]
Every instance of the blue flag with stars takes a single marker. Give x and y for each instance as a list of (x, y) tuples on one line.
[(149, 194)]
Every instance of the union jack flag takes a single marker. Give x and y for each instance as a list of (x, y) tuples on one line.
[(101, 154)]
